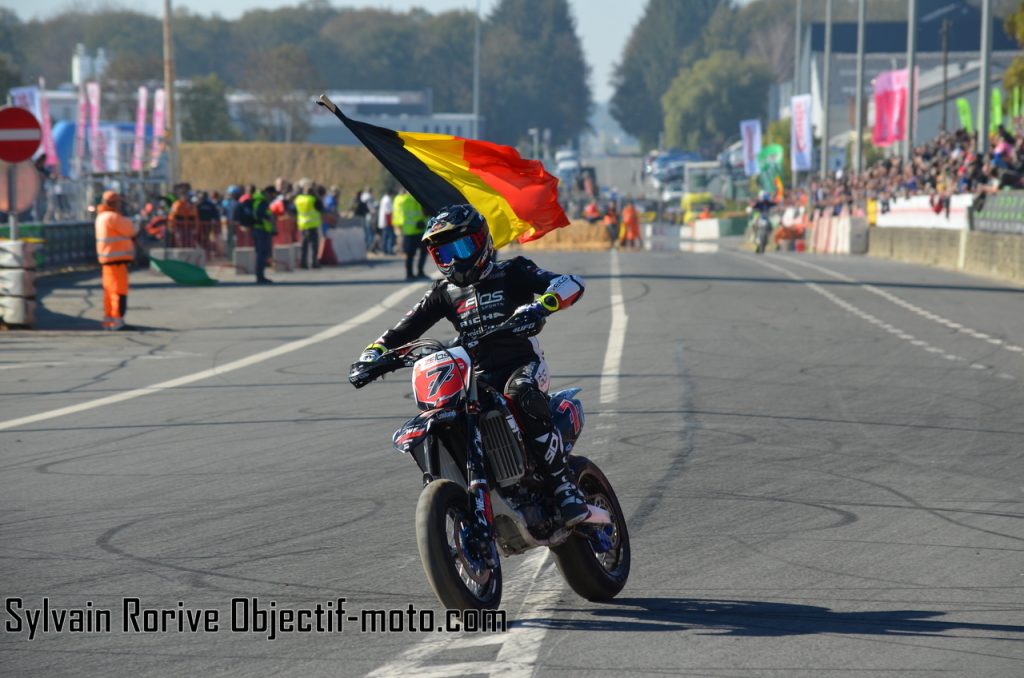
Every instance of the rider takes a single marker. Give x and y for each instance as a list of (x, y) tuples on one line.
[(764, 204), (478, 294)]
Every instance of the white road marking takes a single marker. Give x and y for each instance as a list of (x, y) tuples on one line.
[(534, 580), (616, 337), (924, 313), (329, 333), (855, 310)]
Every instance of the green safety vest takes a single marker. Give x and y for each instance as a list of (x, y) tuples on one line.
[(309, 218), (407, 214), (265, 225)]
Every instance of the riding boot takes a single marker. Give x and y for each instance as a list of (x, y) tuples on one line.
[(571, 502)]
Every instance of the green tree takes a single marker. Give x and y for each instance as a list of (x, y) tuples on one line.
[(533, 71), (204, 111), (1014, 25), (705, 103), (10, 75), (653, 55)]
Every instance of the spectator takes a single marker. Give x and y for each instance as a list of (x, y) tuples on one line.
[(387, 232), (360, 209), (263, 230), (308, 208), (408, 216)]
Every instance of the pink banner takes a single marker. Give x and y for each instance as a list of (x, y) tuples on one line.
[(158, 128), (83, 111), (140, 130), (890, 107), (96, 145), (44, 118)]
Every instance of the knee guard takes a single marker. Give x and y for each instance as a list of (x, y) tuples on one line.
[(532, 403)]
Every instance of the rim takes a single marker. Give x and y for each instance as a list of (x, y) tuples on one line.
[(611, 560), (474, 573)]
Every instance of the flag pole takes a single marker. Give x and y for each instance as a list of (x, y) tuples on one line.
[(827, 89), (858, 154)]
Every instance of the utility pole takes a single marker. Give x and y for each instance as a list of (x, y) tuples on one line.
[(827, 89), (476, 75), (170, 135), (909, 118), (796, 74), (985, 82), (858, 153), (797, 89), (944, 31)]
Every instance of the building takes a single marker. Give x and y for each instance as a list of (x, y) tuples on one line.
[(885, 48)]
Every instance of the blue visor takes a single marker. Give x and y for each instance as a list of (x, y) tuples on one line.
[(462, 248)]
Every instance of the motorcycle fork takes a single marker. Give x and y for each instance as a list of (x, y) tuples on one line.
[(479, 492)]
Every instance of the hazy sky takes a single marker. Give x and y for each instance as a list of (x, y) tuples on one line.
[(603, 25)]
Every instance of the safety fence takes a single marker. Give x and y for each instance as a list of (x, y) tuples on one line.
[(60, 245), (1001, 212)]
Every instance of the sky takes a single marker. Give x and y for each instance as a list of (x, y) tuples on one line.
[(603, 25)]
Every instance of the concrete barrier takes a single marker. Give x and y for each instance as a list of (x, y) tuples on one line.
[(996, 255), (283, 257), (17, 283), (244, 259), (838, 235), (349, 244)]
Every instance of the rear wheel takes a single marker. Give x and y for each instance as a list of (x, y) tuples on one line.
[(456, 570), (592, 572)]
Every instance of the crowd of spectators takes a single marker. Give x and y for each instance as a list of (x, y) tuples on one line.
[(949, 164)]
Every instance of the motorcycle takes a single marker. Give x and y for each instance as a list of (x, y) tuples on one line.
[(483, 497), (761, 232)]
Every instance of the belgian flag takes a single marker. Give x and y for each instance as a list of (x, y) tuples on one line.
[(517, 197)]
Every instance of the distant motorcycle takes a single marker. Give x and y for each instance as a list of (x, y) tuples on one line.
[(481, 491), (762, 230)]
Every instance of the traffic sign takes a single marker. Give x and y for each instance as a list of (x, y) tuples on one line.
[(20, 134), (24, 185)]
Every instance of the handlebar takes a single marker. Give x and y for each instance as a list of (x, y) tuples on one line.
[(406, 355)]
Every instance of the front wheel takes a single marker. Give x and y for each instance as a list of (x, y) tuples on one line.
[(454, 566), (596, 574)]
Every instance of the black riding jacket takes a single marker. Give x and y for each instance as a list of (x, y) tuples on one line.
[(484, 305)]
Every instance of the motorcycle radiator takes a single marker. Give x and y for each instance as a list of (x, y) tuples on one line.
[(502, 449)]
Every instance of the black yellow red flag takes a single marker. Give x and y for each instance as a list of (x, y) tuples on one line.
[(517, 196)]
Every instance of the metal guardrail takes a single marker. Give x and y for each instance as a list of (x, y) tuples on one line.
[(1003, 212), (60, 245)]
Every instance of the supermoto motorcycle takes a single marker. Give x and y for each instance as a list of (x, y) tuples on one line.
[(762, 229), (483, 497)]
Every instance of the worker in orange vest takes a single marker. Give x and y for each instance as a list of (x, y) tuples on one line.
[(115, 249), (630, 226)]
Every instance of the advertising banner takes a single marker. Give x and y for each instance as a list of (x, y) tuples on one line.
[(97, 149), (138, 150), (801, 149), (158, 128), (890, 107), (750, 131)]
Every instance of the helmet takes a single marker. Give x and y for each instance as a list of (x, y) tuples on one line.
[(765, 196), (458, 239)]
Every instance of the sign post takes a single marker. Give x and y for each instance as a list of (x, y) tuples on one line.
[(20, 136)]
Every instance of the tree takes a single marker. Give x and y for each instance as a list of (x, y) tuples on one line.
[(655, 52), (1014, 25), (10, 76), (282, 81), (705, 104), (204, 111), (533, 71)]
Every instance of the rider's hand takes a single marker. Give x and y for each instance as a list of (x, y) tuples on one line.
[(359, 374), (528, 320)]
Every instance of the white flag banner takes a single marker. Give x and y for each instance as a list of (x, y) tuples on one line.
[(27, 98), (801, 148), (750, 131)]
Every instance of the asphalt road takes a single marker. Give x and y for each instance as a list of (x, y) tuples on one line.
[(821, 460)]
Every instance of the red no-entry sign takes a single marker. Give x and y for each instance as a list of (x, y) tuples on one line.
[(20, 134)]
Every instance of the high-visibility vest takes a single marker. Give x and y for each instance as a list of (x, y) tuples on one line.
[(114, 238), (309, 217), (407, 214), (265, 225)]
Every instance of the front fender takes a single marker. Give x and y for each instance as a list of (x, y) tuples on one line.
[(414, 432)]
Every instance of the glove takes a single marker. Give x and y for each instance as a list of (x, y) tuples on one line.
[(528, 320), (359, 373)]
